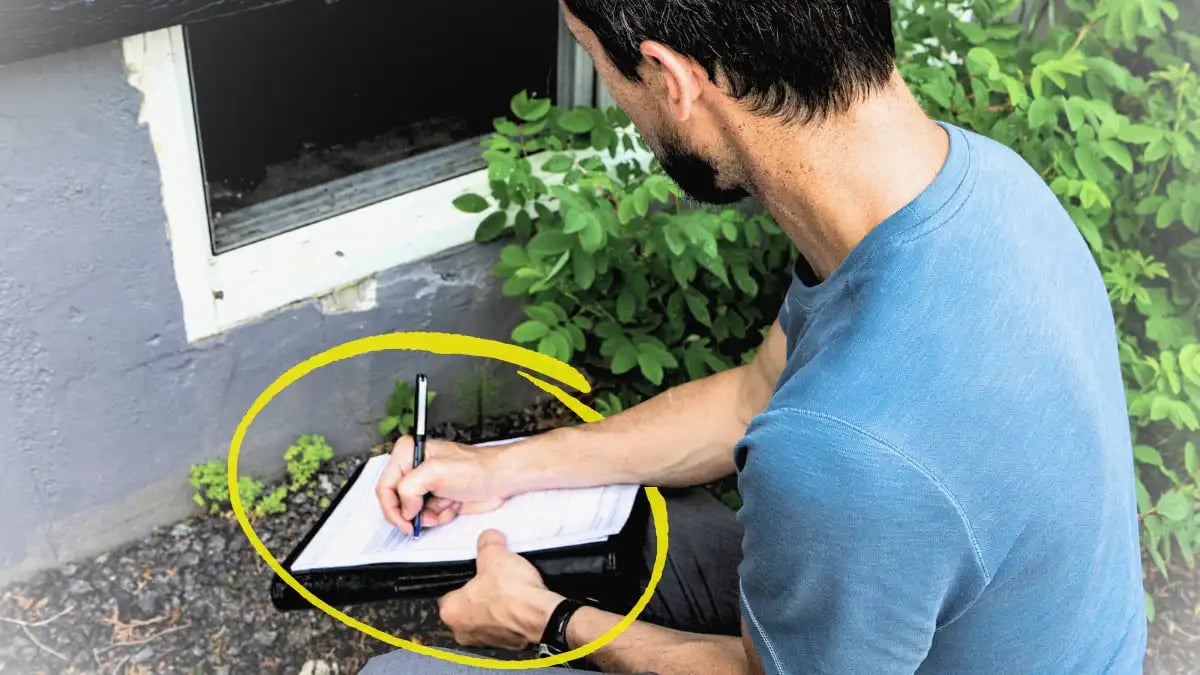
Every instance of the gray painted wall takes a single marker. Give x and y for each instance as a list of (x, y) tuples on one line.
[(103, 404)]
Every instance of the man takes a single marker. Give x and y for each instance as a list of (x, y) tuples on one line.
[(931, 444)]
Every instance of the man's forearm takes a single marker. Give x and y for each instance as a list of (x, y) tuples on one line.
[(643, 647), (681, 437)]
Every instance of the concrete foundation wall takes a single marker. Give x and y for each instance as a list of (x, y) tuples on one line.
[(103, 404)]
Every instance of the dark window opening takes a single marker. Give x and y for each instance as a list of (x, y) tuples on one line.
[(314, 108)]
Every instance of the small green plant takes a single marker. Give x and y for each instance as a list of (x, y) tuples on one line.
[(211, 481), (479, 396), (305, 458), (400, 411)]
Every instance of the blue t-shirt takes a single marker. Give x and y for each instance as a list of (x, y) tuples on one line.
[(943, 480)]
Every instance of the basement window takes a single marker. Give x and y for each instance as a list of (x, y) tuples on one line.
[(311, 109)]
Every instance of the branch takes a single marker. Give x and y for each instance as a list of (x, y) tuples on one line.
[(37, 642), (35, 624)]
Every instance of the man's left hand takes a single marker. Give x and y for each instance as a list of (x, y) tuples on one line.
[(506, 605)]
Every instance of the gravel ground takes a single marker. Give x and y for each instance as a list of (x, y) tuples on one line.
[(192, 598)]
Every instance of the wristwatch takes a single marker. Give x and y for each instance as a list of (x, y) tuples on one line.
[(554, 638)]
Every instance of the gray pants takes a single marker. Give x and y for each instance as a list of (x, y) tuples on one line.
[(698, 591)]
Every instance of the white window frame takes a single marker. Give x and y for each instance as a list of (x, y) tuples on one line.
[(220, 292)]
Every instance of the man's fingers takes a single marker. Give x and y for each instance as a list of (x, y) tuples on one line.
[(414, 487), (491, 543), (385, 489), (402, 452), (445, 516)]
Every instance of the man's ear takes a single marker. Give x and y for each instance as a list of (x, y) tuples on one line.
[(682, 77)]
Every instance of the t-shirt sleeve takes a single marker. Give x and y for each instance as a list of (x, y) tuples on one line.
[(853, 554)]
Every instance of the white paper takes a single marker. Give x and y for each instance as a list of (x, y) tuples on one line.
[(356, 533)]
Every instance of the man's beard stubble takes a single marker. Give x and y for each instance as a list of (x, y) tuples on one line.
[(695, 175)]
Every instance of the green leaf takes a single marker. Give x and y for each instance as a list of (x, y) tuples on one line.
[(491, 227), (470, 203), (388, 424), (577, 121), (529, 331), (626, 305), (1076, 110), (530, 110), (1139, 134), (558, 164), (984, 62), (625, 359), (1117, 153), (650, 367), (741, 277), (576, 220), (1174, 505), (1156, 150), (1149, 606), (1189, 362), (541, 313), (1147, 455), (1189, 458), (1160, 409), (562, 261), (514, 255), (659, 187), (698, 306), (729, 230), (591, 239), (674, 238), (1190, 250), (584, 268), (976, 34), (1170, 368), (1090, 164), (549, 243), (1042, 112)]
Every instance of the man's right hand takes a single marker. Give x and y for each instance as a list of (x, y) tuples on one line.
[(458, 479)]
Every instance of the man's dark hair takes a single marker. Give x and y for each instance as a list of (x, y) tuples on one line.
[(796, 59)]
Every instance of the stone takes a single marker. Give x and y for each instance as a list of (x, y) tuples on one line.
[(148, 603), (265, 637), (79, 587), (70, 569), (188, 559), (317, 667), (181, 530), (216, 543), (143, 655)]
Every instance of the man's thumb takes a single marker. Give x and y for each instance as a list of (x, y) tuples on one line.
[(491, 542)]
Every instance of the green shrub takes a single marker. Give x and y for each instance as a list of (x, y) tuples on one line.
[(1100, 96), (617, 277), (305, 458), (211, 483), (401, 413), (211, 480)]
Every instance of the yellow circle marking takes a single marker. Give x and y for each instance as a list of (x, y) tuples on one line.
[(461, 345)]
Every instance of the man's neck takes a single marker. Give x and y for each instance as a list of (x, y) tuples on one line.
[(828, 184)]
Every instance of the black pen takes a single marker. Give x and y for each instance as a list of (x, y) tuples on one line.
[(419, 439)]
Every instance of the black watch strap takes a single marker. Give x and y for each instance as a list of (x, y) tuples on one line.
[(554, 639)]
